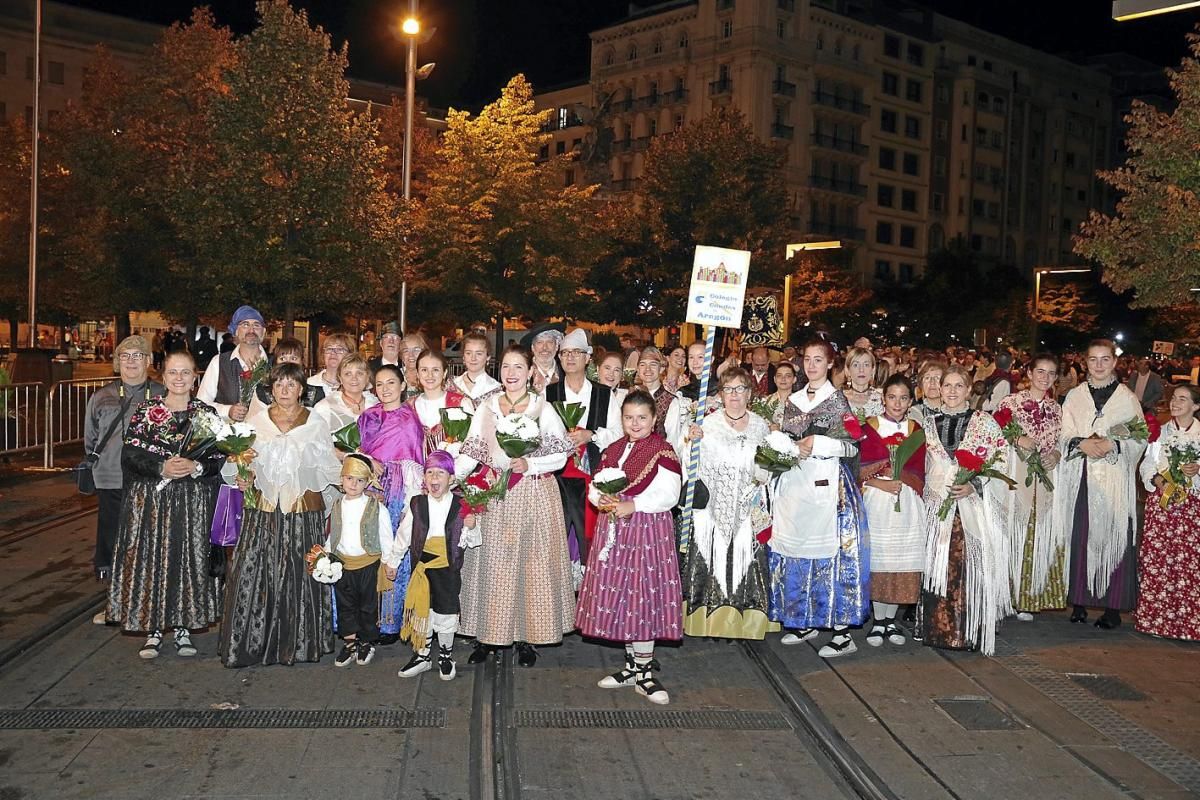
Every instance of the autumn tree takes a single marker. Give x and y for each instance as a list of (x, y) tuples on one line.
[(711, 183), (1149, 245), (824, 287), (499, 233), (288, 208)]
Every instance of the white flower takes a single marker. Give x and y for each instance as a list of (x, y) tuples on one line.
[(237, 430), (781, 443), (457, 414), (609, 474), (517, 425)]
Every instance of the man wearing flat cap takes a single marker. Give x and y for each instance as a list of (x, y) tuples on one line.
[(108, 413), (599, 427), (220, 387), (389, 347), (543, 340)]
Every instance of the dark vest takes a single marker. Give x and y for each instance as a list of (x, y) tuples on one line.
[(597, 414), (229, 379), (420, 531)]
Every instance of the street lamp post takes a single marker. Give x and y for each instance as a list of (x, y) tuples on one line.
[(1038, 272), (411, 27), (33, 180)]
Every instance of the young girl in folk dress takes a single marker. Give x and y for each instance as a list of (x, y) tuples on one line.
[(631, 592), (431, 374), (895, 511), (1169, 554)]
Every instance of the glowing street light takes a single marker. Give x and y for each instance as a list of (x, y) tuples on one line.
[(411, 26)]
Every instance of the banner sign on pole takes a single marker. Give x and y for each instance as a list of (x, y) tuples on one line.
[(718, 290)]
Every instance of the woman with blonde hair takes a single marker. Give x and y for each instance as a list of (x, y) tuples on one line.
[(864, 399)]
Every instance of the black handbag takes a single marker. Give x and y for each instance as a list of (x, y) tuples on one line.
[(699, 495), (85, 482)]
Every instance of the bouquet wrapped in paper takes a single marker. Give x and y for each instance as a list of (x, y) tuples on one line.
[(517, 435), (347, 439), (1175, 489), (322, 565), (777, 454), (610, 481), (455, 424), (1034, 465), (235, 444), (199, 437), (250, 379), (477, 493), (972, 464)]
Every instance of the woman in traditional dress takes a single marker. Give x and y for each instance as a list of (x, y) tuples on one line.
[(1095, 497), (391, 434), (335, 348), (516, 587), (631, 593), (1036, 569), (344, 406), (785, 383), (290, 350), (818, 553), (411, 347), (275, 613), (676, 377), (726, 585), (865, 400), (431, 372), (669, 409), (895, 511), (474, 382), (1169, 554), (610, 372), (160, 577), (966, 590)]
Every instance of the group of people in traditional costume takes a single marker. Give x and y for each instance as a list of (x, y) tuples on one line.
[(880, 519)]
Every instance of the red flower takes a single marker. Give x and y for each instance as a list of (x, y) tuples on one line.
[(1153, 426), (158, 414), (896, 439), (852, 427), (972, 461), (764, 535), (1003, 417), (246, 374)]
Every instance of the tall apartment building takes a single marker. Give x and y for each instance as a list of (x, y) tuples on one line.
[(900, 129)]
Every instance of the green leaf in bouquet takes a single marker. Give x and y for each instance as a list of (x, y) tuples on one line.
[(347, 439), (765, 407), (455, 429), (571, 414)]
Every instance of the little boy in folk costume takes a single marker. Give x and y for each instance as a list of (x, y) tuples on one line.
[(433, 534), (360, 531)]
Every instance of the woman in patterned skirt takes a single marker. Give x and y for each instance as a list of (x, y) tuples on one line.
[(1169, 554), (160, 577), (819, 558), (966, 591), (1037, 568), (516, 587), (631, 592)]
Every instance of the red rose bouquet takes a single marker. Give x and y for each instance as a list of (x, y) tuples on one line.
[(900, 449), (249, 380), (1034, 465), (972, 464)]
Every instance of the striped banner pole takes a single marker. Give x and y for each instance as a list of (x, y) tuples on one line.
[(693, 462)]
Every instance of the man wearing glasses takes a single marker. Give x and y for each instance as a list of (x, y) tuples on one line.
[(220, 387), (335, 349), (389, 347), (111, 408)]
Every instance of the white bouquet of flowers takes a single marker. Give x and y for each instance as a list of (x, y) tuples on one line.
[(777, 454), (609, 481), (517, 435), (198, 436), (323, 565)]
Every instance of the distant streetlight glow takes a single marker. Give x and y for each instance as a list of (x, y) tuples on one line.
[(1126, 10), (411, 26)]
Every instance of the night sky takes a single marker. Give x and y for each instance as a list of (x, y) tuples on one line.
[(481, 43)]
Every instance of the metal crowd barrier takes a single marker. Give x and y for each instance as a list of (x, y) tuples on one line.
[(39, 418)]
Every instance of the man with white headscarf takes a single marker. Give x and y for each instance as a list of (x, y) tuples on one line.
[(544, 341)]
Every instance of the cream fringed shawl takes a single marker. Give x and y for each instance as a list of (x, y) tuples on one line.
[(1111, 485)]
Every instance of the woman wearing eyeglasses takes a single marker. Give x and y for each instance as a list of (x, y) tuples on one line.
[(337, 346), (725, 577), (818, 554)]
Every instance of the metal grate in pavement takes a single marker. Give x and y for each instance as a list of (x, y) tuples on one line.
[(1106, 687), (1153, 751), (977, 714), (711, 719), (88, 718)]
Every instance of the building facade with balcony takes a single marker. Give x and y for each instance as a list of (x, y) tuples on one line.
[(899, 129)]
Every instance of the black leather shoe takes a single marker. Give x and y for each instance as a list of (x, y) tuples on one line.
[(1079, 614), (1111, 619), (386, 639), (526, 655), (479, 653)]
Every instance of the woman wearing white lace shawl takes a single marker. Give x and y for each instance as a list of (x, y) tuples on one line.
[(1095, 498), (966, 591), (725, 578)]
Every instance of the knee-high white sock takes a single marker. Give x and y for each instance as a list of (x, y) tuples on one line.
[(445, 639), (884, 611), (643, 652)]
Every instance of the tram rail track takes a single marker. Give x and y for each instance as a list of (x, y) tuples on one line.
[(46, 525)]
